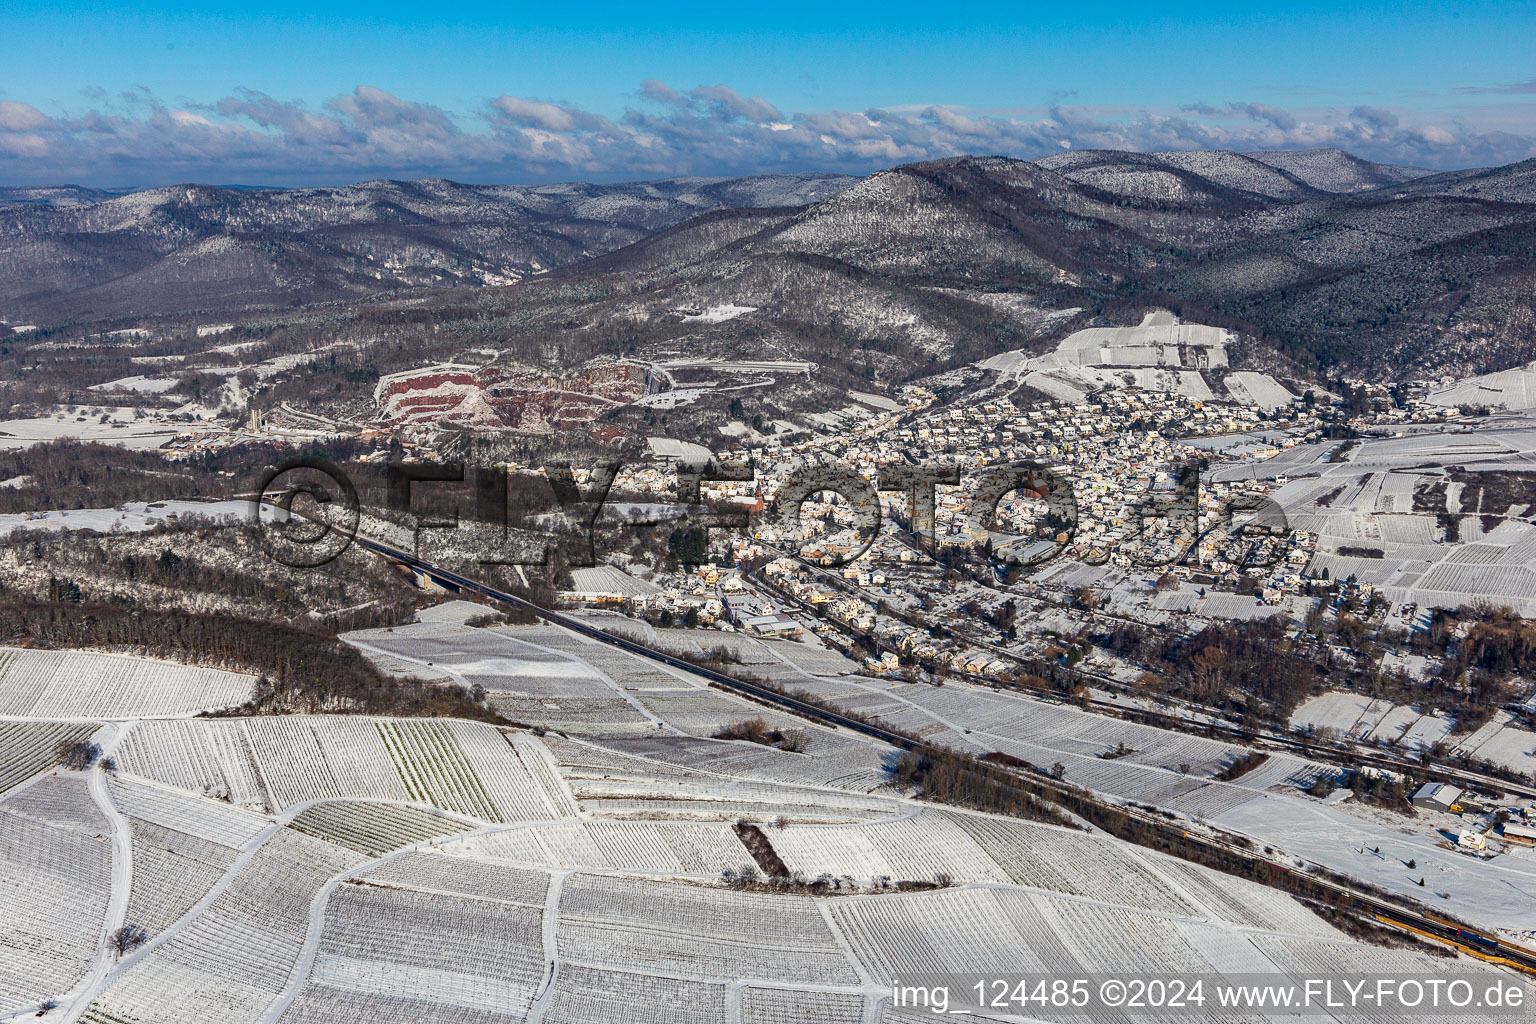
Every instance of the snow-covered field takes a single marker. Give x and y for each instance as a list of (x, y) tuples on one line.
[(485, 657), (110, 424), (1156, 341), (1376, 514), (27, 748), (80, 684), (309, 869), (1165, 769), (139, 383), (55, 880), (1266, 804), (133, 517), (274, 763), (719, 314), (668, 448), (1502, 741), (1250, 388), (529, 672), (1160, 354), (381, 942), (1506, 389), (1499, 893)]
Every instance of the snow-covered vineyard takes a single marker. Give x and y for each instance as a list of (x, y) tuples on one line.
[(1430, 519), (1501, 740), (81, 684), (408, 914), (330, 869), (644, 747)]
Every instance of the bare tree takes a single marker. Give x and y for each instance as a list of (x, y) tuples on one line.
[(126, 939), (76, 755)]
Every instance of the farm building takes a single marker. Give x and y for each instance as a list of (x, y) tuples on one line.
[(605, 584), (1513, 833), (1437, 796), (777, 624)]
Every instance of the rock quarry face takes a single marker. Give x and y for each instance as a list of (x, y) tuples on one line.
[(501, 398)]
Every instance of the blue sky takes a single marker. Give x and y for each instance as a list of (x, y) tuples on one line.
[(308, 93)]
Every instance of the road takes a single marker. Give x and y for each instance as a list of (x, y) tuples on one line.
[(1208, 840), (1441, 771)]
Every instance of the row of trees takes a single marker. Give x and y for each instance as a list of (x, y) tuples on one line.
[(1258, 658), (300, 670), (204, 568)]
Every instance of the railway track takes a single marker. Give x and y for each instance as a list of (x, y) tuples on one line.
[(1365, 756), (1471, 941)]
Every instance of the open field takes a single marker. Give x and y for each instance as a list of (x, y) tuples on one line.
[(457, 951), (373, 828), (486, 657), (272, 763), (81, 684), (326, 869), (1505, 389), (1502, 740), (1165, 768), (27, 748), (662, 847), (528, 671), (234, 956), (697, 932), (55, 878), (109, 424), (172, 870)]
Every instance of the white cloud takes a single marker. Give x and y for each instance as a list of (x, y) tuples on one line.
[(20, 117), (708, 129)]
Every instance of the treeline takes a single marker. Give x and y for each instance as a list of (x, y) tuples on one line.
[(200, 567), (1502, 645), (1480, 648), (1258, 657), (298, 670), (756, 730), (953, 778), (70, 474)]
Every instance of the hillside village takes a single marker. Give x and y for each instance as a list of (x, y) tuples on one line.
[(1120, 451)]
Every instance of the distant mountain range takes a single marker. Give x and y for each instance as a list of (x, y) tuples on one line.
[(56, 195), (1329, 262), (1283, 175), (69, 253)]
